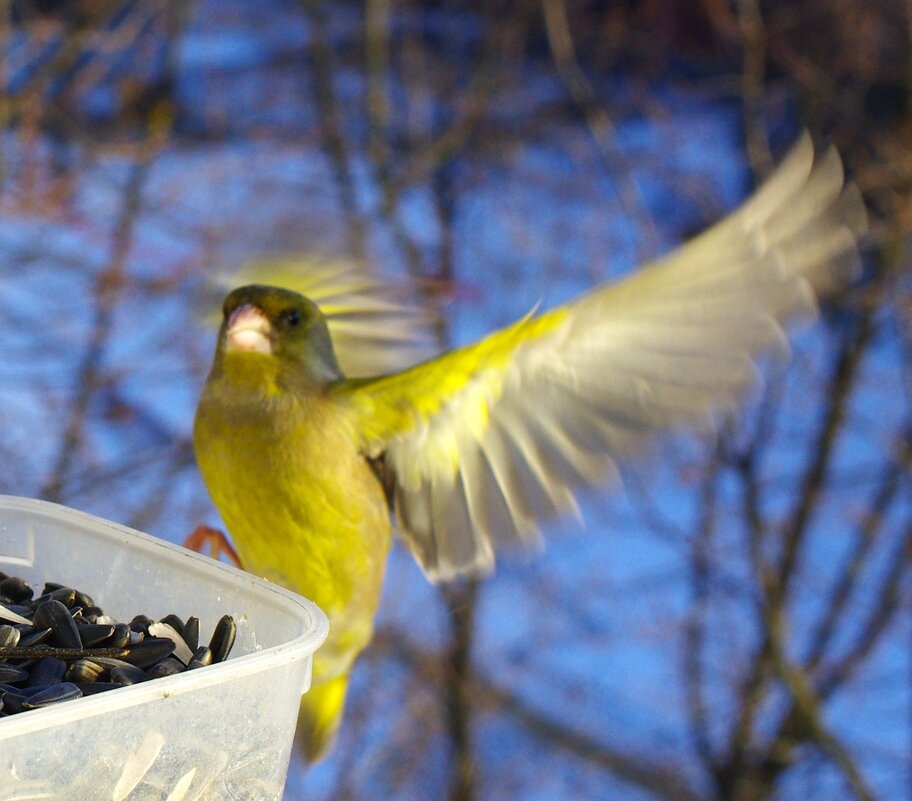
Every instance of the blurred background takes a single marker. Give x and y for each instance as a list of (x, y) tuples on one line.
[(735, 624)]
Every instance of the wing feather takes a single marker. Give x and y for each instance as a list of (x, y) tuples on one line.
[(485, 441), (547, 494)]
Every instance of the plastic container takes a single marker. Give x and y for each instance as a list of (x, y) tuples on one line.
[(220, 732)]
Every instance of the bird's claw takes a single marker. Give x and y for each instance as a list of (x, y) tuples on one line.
[(205, 539)]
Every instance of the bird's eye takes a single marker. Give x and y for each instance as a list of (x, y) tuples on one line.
[(292, 318)]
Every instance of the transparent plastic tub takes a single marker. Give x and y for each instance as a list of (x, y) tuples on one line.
[(220, 732)]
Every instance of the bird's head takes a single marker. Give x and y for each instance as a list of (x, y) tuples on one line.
[(276, 335)]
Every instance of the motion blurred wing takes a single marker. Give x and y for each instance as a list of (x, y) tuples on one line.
[(372, 329), (485, 441)]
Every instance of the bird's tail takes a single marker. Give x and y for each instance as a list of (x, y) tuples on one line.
[(320, 716)]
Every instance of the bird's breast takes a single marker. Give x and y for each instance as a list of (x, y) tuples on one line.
[(302, 505)]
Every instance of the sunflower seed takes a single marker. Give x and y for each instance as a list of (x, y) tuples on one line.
[(9, 636), (55, 615), (127, 675), (167, 667), (191, 633), (16, 588), (13, 703), (35, 638), (181, 649), (12, 674), (180, 790), (13, 617), (94, 633), (47, 670), (121, 636), (111, 662), (53, 695), (141, 623), (84, 600), (138, 764), (84, 670), (223, 638), (175, 622), (95, 687), (151, 650), (66, 596), (201, 657)]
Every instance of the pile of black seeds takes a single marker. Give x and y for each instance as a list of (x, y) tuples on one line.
[(60, 645)]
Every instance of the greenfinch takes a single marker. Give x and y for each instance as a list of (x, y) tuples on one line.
[(471, 449)]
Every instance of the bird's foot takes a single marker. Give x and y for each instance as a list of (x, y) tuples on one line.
[(206, 538)]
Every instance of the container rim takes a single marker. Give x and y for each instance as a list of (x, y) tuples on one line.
[(288, 652)]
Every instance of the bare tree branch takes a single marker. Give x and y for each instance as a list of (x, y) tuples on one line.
[(461, 604), (107, 293), (659, 779), (865, 538)]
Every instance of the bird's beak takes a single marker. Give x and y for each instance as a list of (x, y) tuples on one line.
[(248, 330)]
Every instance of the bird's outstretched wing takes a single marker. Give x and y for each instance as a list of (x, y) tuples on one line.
[(484, 441), (373, 323)]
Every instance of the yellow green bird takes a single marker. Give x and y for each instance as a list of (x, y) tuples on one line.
[(473, 448)]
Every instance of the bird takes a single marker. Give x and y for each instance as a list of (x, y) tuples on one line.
[(470, 450)]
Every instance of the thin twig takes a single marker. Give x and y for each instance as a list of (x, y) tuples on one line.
[(808, 704), (600, 125), (865, 537), (853, 348), (377, 66), (695, 626), (6, 28), (335, 144), (753, 33), (885, 604)]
